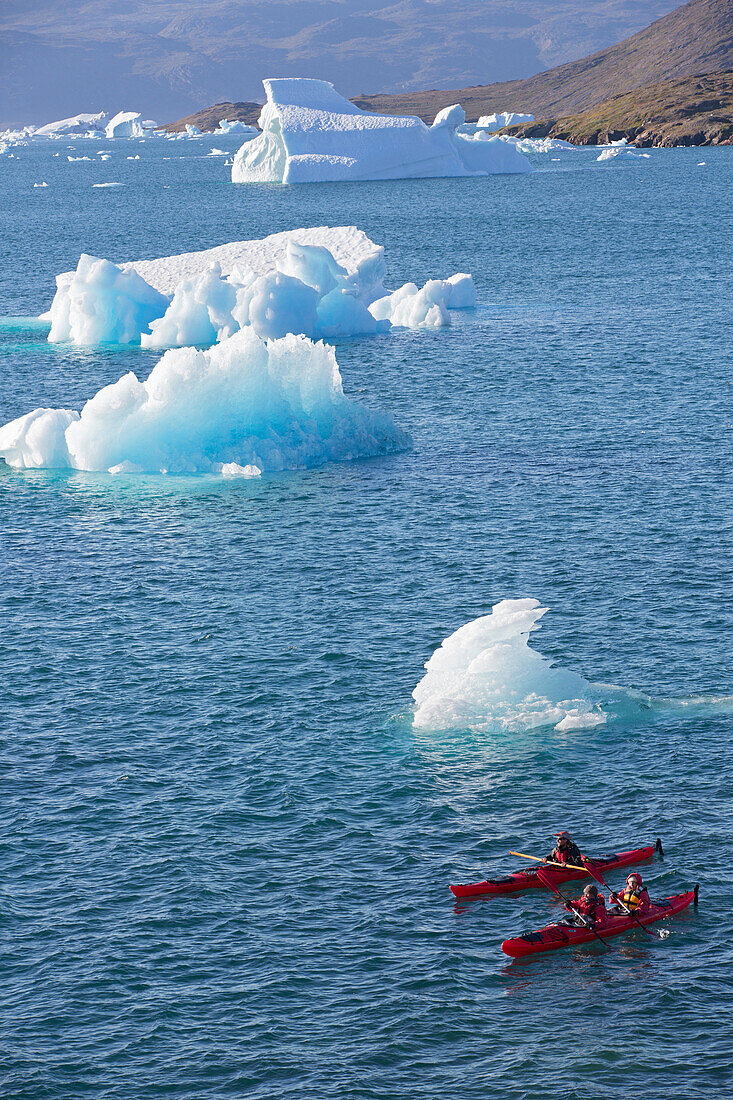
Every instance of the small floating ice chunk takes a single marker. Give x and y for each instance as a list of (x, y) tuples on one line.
[(78, 158), (233, 469), (112, 183), (136, 157), (501, 119), (486, 676), (44, 184), (409, 307), (217, 153)]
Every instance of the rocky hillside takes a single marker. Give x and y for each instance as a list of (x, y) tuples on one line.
[(693, 111), (695, 38), (209, 117)]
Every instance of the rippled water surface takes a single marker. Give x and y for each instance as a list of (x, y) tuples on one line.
[(226, 852)]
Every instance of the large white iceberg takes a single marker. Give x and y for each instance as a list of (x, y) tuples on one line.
[(310, 133), (486, 676), (125, 124), (78, 124), (243, 406), (503, 118)]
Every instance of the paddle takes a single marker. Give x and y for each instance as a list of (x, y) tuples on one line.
[(547, 881), (599, 878), (549, 862)]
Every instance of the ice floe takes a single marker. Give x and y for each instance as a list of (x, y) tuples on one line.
[(486, 676), (243, 406), (310, 133), (325, 282)]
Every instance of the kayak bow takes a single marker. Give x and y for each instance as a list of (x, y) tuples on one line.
[(555, 936), (528, 880)]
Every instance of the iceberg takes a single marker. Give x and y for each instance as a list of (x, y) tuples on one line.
[(311, 133), (502, 119), (486, 676), (287, 283), (244, 406), (125, 124), (78, 124)]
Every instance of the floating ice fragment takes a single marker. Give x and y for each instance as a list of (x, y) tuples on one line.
[(486, 676), (233, 469), (44, 184)]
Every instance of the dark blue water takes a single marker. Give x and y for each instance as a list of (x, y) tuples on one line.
[(225, 850)]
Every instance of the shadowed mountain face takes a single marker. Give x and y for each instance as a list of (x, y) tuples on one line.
[(170, 57), (695, 38)]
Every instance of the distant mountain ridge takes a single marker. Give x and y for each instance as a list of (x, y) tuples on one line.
[(693, 39), (693, 110), (168, 57)]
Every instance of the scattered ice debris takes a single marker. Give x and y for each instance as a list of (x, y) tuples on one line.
[(502, 119), (44, 184), (125, 124), (136, 157), (77, 158), (319, 282), (540, 145), (111, 183), (701, 164), (486, 676), (217, 153), (106, 156), (311, 133), (276, 405)]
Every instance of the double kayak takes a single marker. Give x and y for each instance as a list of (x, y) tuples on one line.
[(528, 880), (555, 936)]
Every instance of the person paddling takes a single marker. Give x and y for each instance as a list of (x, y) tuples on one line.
[(634, 896), (591, 905), (565, 851)]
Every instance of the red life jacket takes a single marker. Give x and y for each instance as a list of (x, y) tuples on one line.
[(593, 909)]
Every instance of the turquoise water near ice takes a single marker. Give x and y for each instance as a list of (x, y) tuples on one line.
[(226, 852)]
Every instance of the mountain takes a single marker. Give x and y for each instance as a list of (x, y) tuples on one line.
[(167, 58), (695, 38), (695, 110), (209, 118)]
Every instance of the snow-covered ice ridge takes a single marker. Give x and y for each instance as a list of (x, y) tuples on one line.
[(322, 283), (244, 407), (311, 133)]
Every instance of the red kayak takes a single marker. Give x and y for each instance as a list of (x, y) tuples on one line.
[(555, 936), (528, 880)]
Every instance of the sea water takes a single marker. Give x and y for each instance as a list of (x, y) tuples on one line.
[(226, 847)]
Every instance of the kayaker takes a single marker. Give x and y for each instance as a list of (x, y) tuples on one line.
[(634, 896), (565, 851), (591, 904)]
